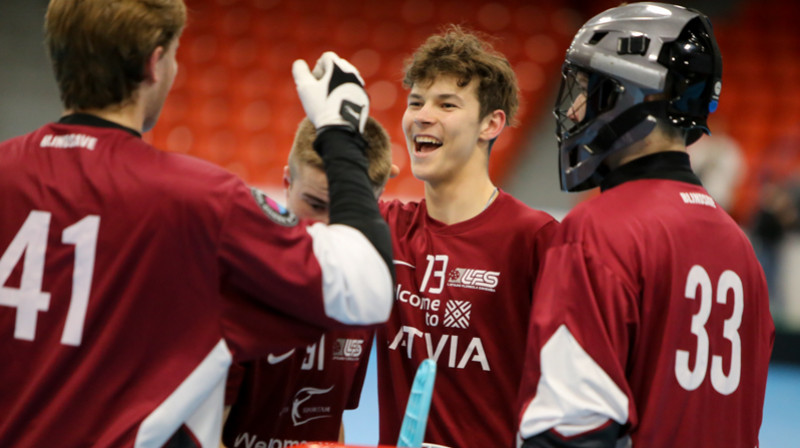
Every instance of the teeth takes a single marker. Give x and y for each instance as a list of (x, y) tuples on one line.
[(424, 140)]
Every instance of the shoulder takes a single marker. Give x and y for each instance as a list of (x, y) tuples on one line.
[(18, 140), (588, 217), (521, 215), (396, 209), (192, 168), (190, 177), (22, 142)]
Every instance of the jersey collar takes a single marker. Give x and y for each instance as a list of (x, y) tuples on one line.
[(93, 120), (671, 165)]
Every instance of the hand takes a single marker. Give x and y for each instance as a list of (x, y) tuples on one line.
[(333, 93)]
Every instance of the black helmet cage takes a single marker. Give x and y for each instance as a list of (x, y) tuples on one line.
[(684, 65), (582, 98)]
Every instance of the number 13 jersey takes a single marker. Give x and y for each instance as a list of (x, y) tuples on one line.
[(462, 298)]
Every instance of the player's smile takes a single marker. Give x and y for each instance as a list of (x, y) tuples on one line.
[(424, 144)]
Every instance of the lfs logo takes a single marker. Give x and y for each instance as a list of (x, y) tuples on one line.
[(348, 349), (474, 279)]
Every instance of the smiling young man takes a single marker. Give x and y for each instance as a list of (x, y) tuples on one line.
[(466, 256)]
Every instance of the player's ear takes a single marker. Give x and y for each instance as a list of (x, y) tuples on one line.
[(150, 69), (287, 177), (394, 171), (492, 124)]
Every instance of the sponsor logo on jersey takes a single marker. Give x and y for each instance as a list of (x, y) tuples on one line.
[(272, 359), (348, 349), (247, 440), (448, 350), (456, 313), (302, 412), (415, 300), (69, 141), (698, 199), (272, 209), (473, 279)]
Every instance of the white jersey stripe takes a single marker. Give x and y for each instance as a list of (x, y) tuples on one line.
[(574, 394), (198, 402), (357, 285)]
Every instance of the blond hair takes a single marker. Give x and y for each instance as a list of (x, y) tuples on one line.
[(378, 152)]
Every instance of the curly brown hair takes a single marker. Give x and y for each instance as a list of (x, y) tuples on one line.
[(99, 48), (466, 55)]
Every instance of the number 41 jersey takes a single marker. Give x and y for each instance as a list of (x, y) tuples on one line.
[(651, 311), (463, 299), (130, 279)]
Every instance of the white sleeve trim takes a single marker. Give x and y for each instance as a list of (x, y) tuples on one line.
[(197, 401), (574, 394), (356, 283)]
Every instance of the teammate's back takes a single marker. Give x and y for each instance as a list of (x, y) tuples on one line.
[(131, 278), (650, 323), (105, 243), (696, 297), (118, 298)]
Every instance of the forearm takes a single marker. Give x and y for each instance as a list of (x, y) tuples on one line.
[(352, 201)]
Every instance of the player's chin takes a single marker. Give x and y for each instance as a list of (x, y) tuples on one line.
[(423, 170)]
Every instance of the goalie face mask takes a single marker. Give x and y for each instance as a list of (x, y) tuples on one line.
[(616, 61)]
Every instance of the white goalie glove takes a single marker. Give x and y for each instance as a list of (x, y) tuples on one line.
[(333, 93)]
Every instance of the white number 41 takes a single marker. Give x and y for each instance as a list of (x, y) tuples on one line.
[(29, 299)]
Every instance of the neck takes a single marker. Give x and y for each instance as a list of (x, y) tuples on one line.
[(456, 202), (655, 142), (131, 115)]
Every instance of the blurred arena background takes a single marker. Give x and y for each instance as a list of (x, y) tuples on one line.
[(234, 103)]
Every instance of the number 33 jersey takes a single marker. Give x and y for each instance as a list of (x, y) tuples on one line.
[(462, 298), (651, 311)]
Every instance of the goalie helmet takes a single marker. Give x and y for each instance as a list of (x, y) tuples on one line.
[(615, 61)]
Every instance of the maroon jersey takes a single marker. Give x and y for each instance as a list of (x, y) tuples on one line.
[(129, 280), (463, 299), (651, 311), (300, 395)]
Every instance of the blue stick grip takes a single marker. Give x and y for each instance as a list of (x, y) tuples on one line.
[(412, 431)]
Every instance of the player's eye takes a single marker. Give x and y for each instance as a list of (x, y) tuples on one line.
[(318, 207)]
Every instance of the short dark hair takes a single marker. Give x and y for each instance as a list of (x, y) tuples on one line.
[(99, 48)]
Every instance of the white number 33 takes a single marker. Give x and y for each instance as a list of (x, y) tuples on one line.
[(28, 298), (691, 378)]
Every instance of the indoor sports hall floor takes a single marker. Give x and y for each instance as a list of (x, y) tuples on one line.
[(780, 428)]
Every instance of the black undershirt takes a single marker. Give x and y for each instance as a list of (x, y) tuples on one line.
[(93, 120), (670, 165)]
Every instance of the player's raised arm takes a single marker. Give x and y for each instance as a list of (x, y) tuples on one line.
[(335, 101)]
